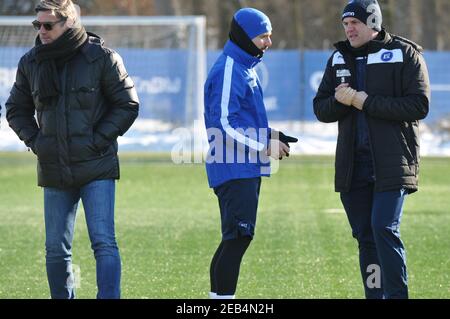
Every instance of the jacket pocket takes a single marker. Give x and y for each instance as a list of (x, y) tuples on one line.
[(45, 148), (101, 145), (85, 97)]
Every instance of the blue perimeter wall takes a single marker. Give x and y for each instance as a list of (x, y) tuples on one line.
[(290, 79)]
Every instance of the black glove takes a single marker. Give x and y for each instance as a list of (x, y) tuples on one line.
[(286, 139)]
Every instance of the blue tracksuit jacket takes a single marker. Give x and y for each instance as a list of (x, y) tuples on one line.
[(235, 118)]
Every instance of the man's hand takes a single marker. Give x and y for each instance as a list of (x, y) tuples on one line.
[(277, 149), (345, 94), (286, 139), (359, 99)]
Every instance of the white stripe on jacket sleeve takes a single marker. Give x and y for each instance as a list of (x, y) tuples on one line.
[(240, 138)]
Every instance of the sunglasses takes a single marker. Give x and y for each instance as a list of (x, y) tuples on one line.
[(47, 25)]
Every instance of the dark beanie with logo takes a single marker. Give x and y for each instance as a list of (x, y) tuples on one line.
[(366, 11), (248, 23)]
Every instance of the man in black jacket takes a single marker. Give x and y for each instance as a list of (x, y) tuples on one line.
[(83, 99), (376, 87)]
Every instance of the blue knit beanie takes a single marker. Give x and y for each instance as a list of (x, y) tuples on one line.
[(253, 21)]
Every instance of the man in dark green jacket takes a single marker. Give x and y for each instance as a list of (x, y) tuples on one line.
[(83, 99), (376, 87)]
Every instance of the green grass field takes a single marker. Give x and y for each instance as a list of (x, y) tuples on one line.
[(167, 225)]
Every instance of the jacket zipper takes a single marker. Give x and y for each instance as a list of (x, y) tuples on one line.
[(348, 182), (368, 131)]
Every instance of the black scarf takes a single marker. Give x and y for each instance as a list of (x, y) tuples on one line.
[(241, 39), (51, 57), (358, 52)]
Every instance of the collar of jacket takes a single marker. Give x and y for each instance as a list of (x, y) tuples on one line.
[(92, 49), (239, 55), (373, 47)]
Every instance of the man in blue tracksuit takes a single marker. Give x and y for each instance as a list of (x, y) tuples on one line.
[(376, 87), (240, 142)]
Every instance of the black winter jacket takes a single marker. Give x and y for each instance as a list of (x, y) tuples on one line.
[(75, 136), (399, 94)]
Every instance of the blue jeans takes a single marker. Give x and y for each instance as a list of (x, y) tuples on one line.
[(60, 207), (375, 220)]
